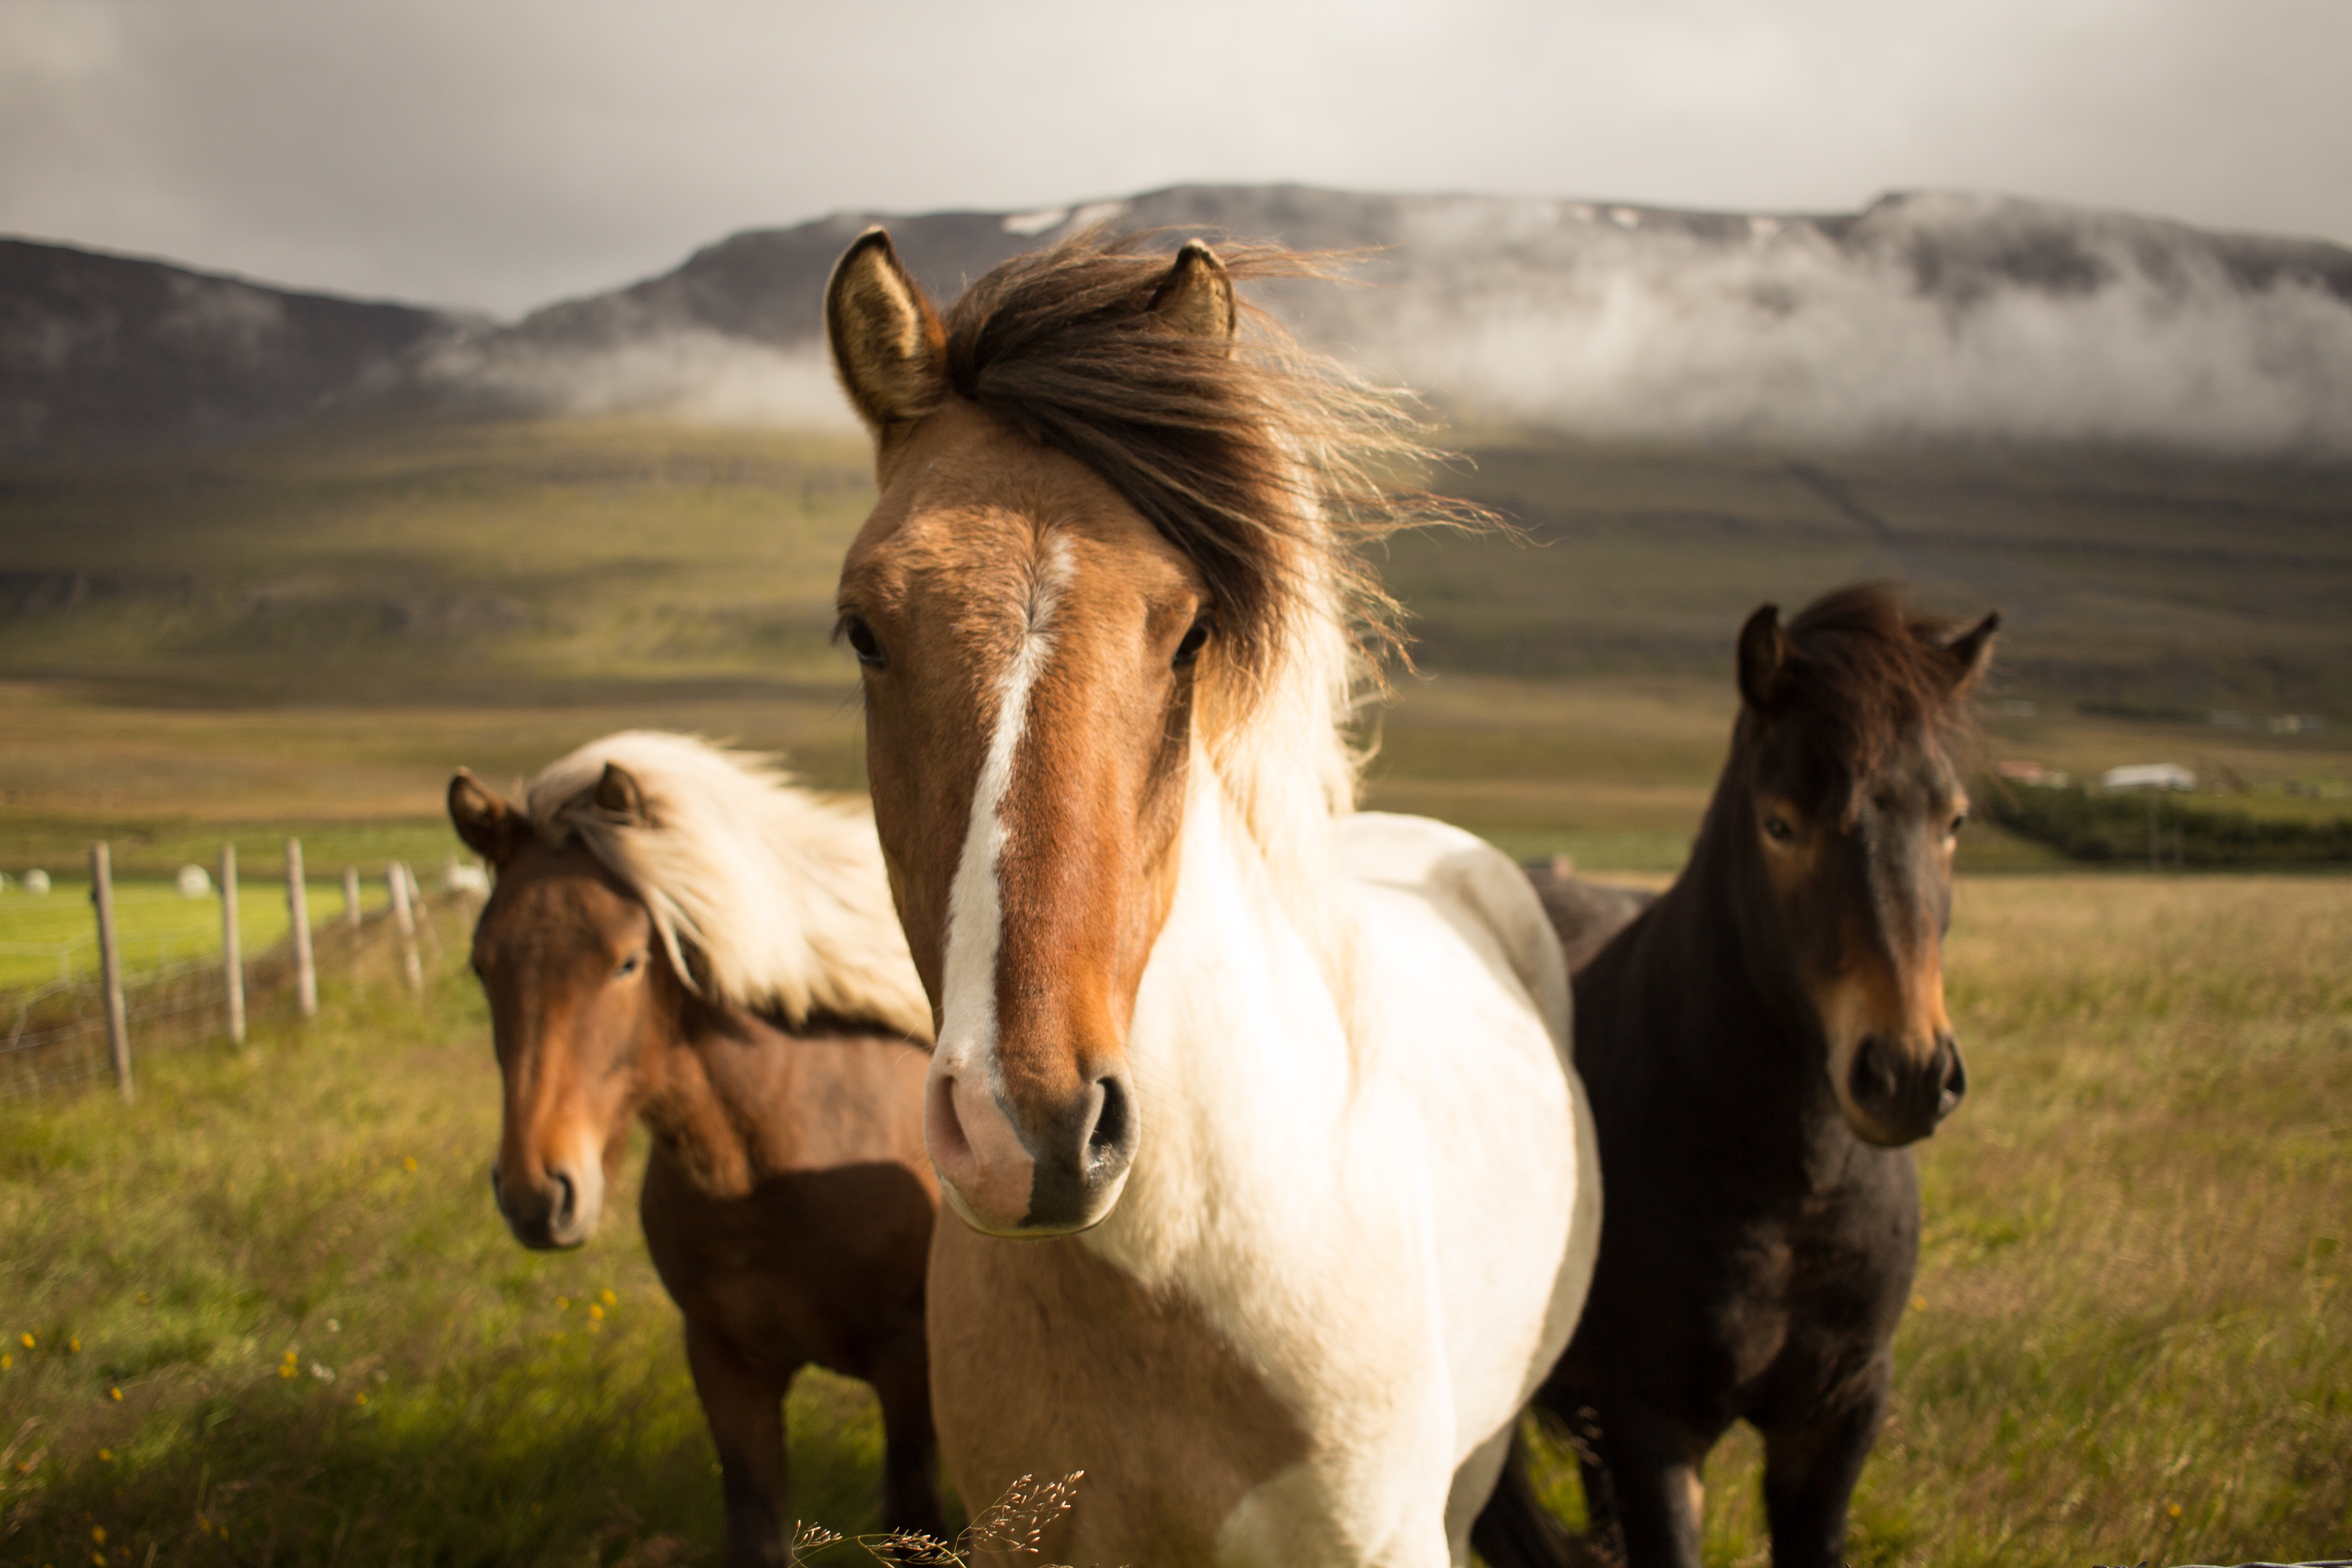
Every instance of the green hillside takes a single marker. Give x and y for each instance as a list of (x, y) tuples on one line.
[(317, 627)]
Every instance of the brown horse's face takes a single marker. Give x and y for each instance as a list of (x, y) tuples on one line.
[(1028, 645), (574, 977), (1858, 878)]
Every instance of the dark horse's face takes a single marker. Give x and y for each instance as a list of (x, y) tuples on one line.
[(576, 985), (1853, 810)]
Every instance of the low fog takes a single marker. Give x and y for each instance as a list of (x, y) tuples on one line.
[(1934, 316)]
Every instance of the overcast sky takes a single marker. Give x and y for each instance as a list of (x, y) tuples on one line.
[(501, 153)]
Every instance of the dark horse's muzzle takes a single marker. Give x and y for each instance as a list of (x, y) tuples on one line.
[(546, 1215), (1902, 1096)]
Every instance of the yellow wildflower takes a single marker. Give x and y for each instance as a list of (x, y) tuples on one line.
[(115, 1395), (2174, 1510), (363, 1399), (6, 1361), (409, 1163), (98, 1533), (286, 1368), (73, 1345), (1918, 1303), (596, 1311), (611, 1300), (564, 1303), (27, 1339), (106, 1455)]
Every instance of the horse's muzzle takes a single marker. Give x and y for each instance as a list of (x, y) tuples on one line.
[(560, 1210), (1897, 1096), (1055, 1171)]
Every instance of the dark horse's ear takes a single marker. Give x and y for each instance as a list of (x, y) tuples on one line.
[(888, 347), (490, 827), (1764, 656), (1196, 297), (617, 796), (1972, 650)]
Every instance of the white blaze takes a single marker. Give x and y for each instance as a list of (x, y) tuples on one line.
[(975, 909)]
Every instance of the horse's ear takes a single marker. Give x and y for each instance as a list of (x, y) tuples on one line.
[(618, 796), (490, 827), (888, 347), (1764, 656), (1196, 297), (1972, 651)]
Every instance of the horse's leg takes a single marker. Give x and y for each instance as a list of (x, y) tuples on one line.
[(1515, 1530), (902, 1380), (1652, 1463), (1809, 1477), (744, 1407)]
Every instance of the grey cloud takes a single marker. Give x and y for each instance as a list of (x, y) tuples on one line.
[(500, 156)]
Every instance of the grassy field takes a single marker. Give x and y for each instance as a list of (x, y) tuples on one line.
[(2135, 1294), (2133, 1337)]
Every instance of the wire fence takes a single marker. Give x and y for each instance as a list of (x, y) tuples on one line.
[(53, 1035)]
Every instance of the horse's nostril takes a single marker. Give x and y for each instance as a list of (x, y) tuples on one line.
[(1110, 1121), (1872, 1080), (1954, 1078), (567, 1198)]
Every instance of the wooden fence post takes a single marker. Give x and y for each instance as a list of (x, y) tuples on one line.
[(109, 955), (351, 897), (298, 904), (232, 946), (404, 918)]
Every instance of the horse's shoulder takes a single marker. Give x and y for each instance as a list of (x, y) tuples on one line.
[(1471, 878)]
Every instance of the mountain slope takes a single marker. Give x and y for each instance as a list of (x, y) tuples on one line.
[(105, 356), (1923, 315)]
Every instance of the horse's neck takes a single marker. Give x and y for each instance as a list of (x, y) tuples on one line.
[(1242, 1047), (716, 1092), (1737, 1042)]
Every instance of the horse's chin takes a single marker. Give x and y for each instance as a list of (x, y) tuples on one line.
[(1025, 1228)]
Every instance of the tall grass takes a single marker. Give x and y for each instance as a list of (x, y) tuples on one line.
[(2132, 1336), (274, 1317), (2134, 1297)]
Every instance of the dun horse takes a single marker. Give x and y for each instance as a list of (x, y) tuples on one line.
[(1275, 1185), (679, 938), (1761, 1045)]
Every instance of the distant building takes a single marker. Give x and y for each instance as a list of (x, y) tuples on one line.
[(2148, 775)]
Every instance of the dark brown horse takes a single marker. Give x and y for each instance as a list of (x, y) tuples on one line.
[(1761, 1045), (678, 938)]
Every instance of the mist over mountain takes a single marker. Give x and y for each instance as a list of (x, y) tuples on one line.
[(1931, 316), (104, 356), (1921, 316)]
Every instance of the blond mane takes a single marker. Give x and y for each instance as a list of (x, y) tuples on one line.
[(765, 895)]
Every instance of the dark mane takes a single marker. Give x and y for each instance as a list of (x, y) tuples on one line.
[(1266, 463), (1874, 679)]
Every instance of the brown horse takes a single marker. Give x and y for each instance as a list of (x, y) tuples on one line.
[(1761, 1045), (1253, 1108), (679, 938)]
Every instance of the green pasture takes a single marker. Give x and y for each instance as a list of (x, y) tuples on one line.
[(54, 936), (2132, 1338)]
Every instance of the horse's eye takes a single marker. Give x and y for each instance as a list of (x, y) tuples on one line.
[(862, 641), (629, 966), (1189, 649), (1957, 823), (1777, 828)]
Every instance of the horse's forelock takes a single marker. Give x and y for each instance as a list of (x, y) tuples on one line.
[(1266, 465), (1875, 683)]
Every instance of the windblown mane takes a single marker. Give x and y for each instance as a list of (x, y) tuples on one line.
[(1269, 466), (1875, 675), (777, 897)]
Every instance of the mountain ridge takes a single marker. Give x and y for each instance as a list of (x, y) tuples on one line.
[(1921, 314)]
